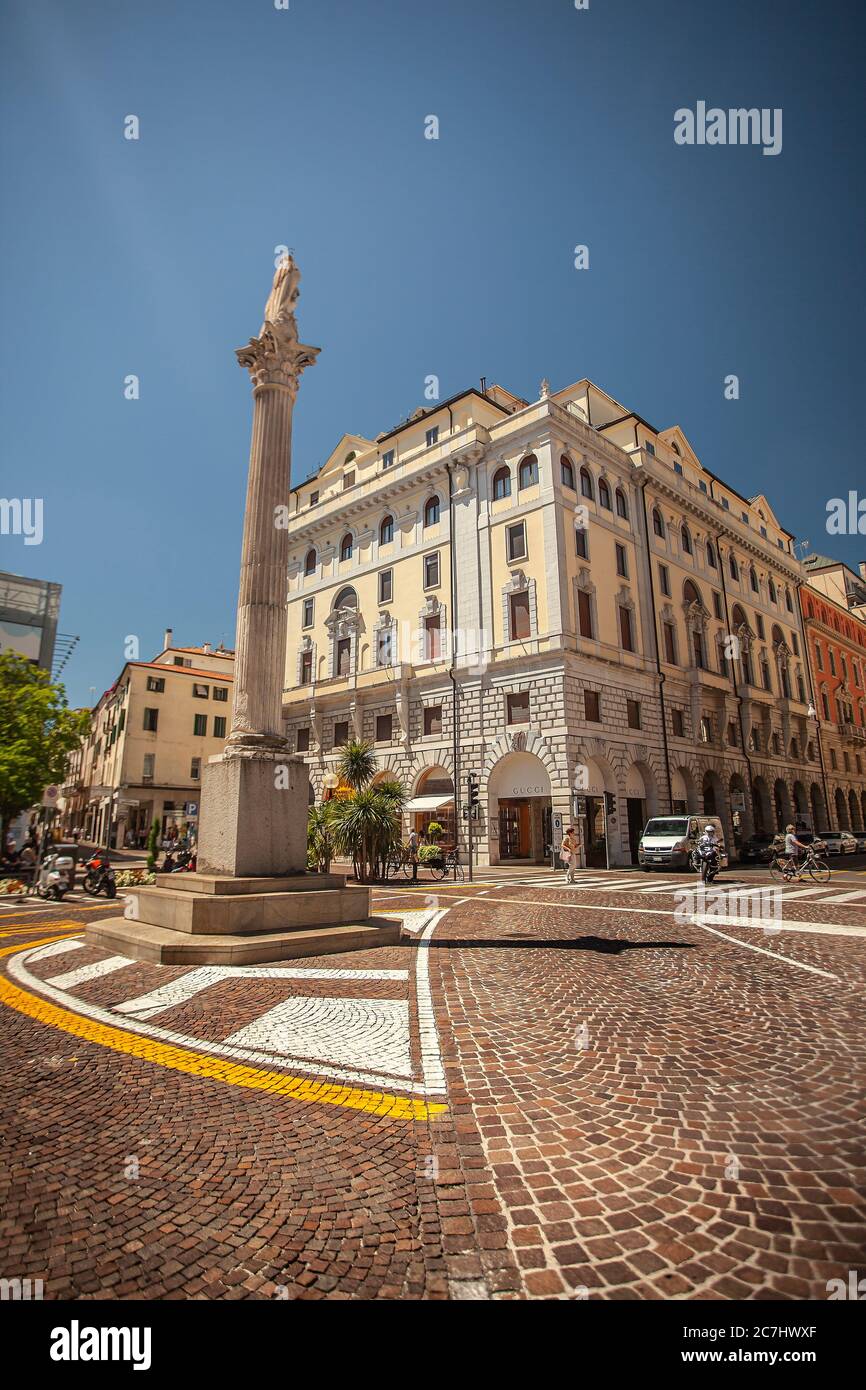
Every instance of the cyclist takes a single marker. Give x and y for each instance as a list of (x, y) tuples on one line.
[(793, 848)]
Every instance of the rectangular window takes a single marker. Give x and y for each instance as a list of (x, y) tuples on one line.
[(592, 706), (383, 728), (385, 647), (433, 719), (148, 767), (717, 604), (433, 637), (306, 668), (518, 707), (649, 446), (386, 586), (388, 458), (219, 726), (626, 635), (670, 643), (664, 580), (833, 762), (221, 692), (584, 613), (156, 683), (151, 719), (431, 570), (700, 658), (760, 624), (195, 770), (341, 732), (678, 723), (302, 741), (314, 497), (201, 692), (621, 565), (199, 725), (518, 616), (732, 734), (349, 479), (432, 436), (580, 545), (633, 713), (678, 468), (307, 620), (515, 541), (706, 729)]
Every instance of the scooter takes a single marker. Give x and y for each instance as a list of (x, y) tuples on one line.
[(56, 875), (99, 876), (183, 864)]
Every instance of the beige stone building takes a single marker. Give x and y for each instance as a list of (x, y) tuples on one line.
[(150, 736), (609, 619)]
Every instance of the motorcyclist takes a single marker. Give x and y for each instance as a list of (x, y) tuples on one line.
[(708, 845)]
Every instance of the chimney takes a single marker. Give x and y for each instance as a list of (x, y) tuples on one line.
[(862, 569), (166, 641), (206, 649)]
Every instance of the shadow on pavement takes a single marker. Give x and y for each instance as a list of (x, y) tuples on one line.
[(606, 945)]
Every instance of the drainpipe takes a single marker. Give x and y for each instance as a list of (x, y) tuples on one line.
[(807, 661), (455, 694), (659, 671)]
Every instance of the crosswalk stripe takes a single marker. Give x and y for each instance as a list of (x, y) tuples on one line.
[(802, 893), (847, 897)]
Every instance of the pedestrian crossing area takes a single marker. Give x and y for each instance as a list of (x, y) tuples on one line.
[(637, 884)]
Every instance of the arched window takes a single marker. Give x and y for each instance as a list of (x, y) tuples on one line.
[(527, 474), (501, 484), (735, 569), (675, 447), (346, 598), (310, 562), (431, 511), (347, 546), (753, 579), (586, 483), (691, 594), (604, 494), (567, 472), (788, 603), (350, 458), (658, 524), (621, 506), (711, 556), (386, 530), (686, 539)]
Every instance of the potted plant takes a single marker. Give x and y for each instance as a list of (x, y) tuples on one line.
[(431, 853)]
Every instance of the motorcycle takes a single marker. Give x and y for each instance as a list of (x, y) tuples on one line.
[(183, 864), (708, 861), (56, 874), (99, 877)]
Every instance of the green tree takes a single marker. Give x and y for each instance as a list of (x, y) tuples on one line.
[(38, 731), (319, 844), (366, 827)]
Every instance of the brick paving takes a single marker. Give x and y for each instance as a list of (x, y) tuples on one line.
[(636, 1109)]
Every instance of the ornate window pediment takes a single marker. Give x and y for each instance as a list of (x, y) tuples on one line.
[(516, 582), (584, 581)]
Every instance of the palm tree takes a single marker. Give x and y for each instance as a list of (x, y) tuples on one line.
[(357, 765), (319, 841), (367, 824)]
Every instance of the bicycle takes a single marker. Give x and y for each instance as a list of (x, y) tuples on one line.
[(399, 863), (450, 862), (783, 871)]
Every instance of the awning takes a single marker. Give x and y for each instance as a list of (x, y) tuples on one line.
[(429, 803)]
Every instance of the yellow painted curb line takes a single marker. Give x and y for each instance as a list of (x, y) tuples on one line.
[(202, 1064)]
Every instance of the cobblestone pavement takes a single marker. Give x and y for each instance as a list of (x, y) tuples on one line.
[(546, 1092)]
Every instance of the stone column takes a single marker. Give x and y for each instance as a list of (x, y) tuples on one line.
[(255, 796)]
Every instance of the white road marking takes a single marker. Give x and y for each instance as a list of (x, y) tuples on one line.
[(365, 1034), (90, 972), (178, 991), (431, 1057), (847, 897), (58, 949), (750, 946)]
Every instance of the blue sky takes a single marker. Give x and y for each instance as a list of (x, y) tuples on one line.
[(455, 257)]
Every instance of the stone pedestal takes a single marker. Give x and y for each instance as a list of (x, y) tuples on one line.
[(254, 817)]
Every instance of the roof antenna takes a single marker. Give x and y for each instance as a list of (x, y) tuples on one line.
[(484, 386)]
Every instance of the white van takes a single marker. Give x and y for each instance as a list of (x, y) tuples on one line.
[(667, 841)]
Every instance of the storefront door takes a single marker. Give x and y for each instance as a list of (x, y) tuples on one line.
[(636, 823), (514, 838), (596, 854)]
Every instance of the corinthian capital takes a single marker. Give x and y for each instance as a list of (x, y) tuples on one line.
[(277, 357)]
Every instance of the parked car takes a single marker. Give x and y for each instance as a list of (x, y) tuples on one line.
[(758, 850), (861, 843), (838, 841)]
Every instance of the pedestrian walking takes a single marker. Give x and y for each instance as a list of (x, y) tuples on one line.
[(413, 854), (568, 853)]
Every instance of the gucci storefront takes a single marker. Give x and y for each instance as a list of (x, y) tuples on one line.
[(519, 810)]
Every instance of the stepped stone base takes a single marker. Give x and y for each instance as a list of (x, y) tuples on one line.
[(213, 919)]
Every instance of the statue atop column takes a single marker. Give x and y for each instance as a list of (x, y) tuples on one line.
[(276, 356)]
